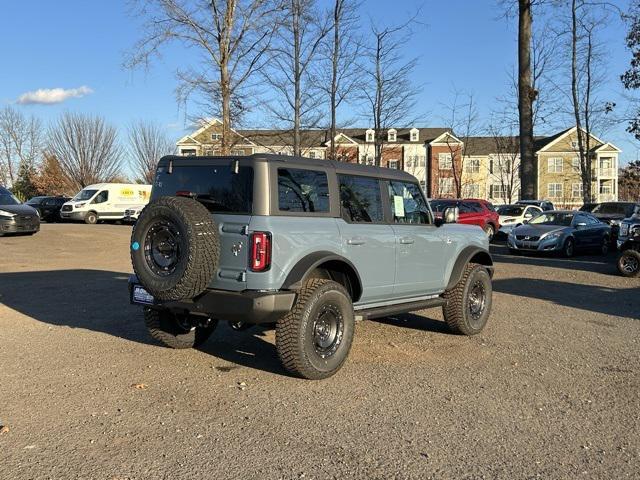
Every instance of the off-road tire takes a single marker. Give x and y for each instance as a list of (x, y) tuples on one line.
[(164, 327), (197, 243), (295, 340), (91, 218), (569, 248), (633, 257), (457, 312)]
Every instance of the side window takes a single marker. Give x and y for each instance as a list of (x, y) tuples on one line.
[(302, 190), (102, 197), (360, 199), (465, 207), (407, 203), (49, 202)]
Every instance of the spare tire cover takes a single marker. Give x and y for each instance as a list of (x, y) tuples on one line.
[(175, 248)]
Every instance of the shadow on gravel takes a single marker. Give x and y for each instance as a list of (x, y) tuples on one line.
[(584, 262), (99, 300), (622, 302), (415, 322)]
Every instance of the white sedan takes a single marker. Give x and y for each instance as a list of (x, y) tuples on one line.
[(512, 216)]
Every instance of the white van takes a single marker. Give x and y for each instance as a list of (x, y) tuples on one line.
[(105, 201)]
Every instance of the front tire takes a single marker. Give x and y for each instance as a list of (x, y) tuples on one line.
[(469, 302), (568, 249), (91, 218), (314, 339), (176, 331), (629, 264)]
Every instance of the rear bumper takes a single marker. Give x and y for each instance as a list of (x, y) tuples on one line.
[(249, 306)]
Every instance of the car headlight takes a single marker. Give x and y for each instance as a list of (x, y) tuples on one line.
[(79, 205), (6, 215), (552, 236)]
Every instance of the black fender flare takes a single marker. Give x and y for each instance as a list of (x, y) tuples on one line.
[(469, 254), (300, 272)]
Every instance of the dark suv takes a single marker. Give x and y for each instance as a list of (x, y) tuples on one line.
[(15, 217), (48, 207), (629, 246), (306, 244), (613, 213)]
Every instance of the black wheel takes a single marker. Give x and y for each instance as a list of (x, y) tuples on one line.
[(174, 248), (469, 302), (91, 218), (314, 339), (629, 263), (178, 331), (604, 247), (568, 249), (489, 231)]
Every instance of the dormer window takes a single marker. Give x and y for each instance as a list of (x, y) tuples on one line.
[(391, 135), (414, 134), (216, 137), (370, 136)]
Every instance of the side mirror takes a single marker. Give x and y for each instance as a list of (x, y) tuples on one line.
[(450, 215)]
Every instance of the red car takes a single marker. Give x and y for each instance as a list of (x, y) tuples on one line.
[(472, 211)]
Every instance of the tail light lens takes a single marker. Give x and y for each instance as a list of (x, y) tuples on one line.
[(260, 251)]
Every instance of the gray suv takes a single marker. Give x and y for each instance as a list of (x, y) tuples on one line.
[(309, 245)]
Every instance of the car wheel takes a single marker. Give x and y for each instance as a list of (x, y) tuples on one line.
[(629, 263), (489, 231), (604, 247), (91, 218), (568, 249), (178, 331), (469, 302), (314, 339)]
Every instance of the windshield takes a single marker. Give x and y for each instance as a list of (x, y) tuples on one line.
[(35, 200), (440, 205), (510, 210), (84, 195), (7, 199), (554, 218)]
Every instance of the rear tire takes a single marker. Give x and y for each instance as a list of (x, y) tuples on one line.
[(176, 331), (629, 264), (490, 231), (469, 302), (314, 339), (91, 218)]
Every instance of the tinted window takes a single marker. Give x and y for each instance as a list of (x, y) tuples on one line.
[(360, 199), (217, 187), (407, 203), (510, 210), (611, 208), (6, 198), (553, 218), (35, 200), (470, 207), (49, 202), (302, 190)]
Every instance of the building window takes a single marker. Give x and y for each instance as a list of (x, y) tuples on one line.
[(575, 164), (188, 152), (216, 136), (237, 153), (606, 189), (391, 135), (471, 191), (498, 191), (393, 164), (312, 154), (554, 190), (445, 186), (472, 165), (367, 159), (445, 161), (576, 190), (414, 135), (408, 163), (554, 165), (370, 136)]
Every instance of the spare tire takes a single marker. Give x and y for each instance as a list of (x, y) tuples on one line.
[(174, 248)]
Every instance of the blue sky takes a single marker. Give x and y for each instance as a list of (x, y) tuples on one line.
[(461, 44)]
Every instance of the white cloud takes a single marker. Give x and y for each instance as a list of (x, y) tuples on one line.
[(49, 96)]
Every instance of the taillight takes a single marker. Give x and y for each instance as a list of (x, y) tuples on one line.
[(260, 251)]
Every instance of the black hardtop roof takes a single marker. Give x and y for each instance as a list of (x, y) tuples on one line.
[(339, 167)]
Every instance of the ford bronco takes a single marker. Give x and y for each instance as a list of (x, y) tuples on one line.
[(308, 245)]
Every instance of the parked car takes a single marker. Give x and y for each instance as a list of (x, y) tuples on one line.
[(563, 231), (545, 205), (471, 211), (131, 214), (16, 217), (105, 201), (511, 216), (48, 208), (588, 207), (613, 213), (629, 245), (306, 244)]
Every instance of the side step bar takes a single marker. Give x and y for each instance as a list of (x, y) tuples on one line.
[(380, 312)]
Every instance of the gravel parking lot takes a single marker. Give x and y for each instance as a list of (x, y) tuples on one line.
[(551, 388)]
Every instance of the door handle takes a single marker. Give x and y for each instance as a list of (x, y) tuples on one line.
[(356, 241), (406, 240)]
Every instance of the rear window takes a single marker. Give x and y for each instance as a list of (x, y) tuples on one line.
[(302, 190), (360, 199), (217, 187)]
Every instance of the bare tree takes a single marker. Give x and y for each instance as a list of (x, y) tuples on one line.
[(21, 142), (231, 38), (388, 92), (148, 142), (87, 149)]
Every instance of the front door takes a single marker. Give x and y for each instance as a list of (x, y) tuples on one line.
[(420, 251)]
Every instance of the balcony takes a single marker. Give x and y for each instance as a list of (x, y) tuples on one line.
[(607, 197), (606, 172)]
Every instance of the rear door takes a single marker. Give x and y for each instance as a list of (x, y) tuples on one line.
[(420, 251), (368, 241)]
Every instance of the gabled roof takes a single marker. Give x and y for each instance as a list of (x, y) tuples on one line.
[(442, 138), (481, 146), (545, 143)]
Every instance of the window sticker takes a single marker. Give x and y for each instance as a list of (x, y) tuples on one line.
[(398, 205)]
